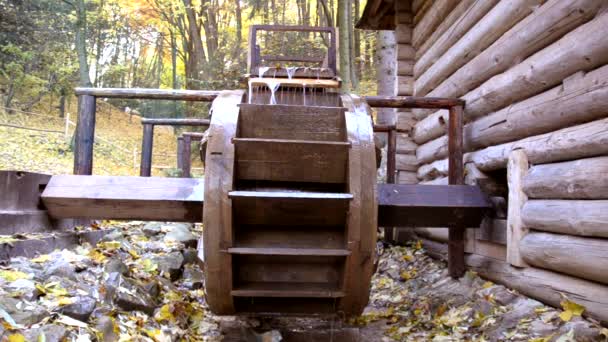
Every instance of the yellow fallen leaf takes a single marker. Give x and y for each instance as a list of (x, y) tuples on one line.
[(13, 275), (16, 338), (418, 245), (487, 284), (570, 309), (97, 256), (408, 257), (541, 309), (405, 275), (566, 315), (42, 258), (165, 314), (134, 254), (65, 301), (149, 266)]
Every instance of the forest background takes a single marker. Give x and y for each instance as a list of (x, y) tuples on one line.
[(48, 47)]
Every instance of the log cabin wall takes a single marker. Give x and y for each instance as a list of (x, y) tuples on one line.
[(534, 74), (406, 163)]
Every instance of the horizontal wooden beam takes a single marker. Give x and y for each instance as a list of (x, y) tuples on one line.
[(414, 205), (412, 102), (176, 122), (305, 59), (181, 199), (124, 198), (150, 94)]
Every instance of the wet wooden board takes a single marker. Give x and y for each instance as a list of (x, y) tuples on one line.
[(296, 82)]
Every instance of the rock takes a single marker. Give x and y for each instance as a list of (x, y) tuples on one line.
[(116, 235), (152, 288), (25, 287), (128, 294), (61, 268), (580, 330), (106, 326), (170, 263), (152, 228), (190, 256), (48, 333), (193, 277), (180, 232), (116, 265), (81, 308), (22, 312)]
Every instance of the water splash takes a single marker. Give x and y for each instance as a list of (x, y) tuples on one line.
[(272, 84), (304, 93), (250, 91), (262, 71), (291, 71)]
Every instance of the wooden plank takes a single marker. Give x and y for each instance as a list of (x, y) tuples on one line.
[(517, 169), (276, 289), (217, 209), (265, 236), (288, 251), (292, 122), (436, 14), (295, 212), (577, 179), (284, 160), (299, 72), (150, 94), (85, 135), (121, 197), (323, 270), (298, 195), (572, 217), (411, 102), (290, 141), (430, 206), (296, 82)]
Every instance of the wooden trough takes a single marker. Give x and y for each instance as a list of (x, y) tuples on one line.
[(289, 201)]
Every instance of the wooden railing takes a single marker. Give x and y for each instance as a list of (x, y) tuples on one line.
[(87, 107), (456, 266)]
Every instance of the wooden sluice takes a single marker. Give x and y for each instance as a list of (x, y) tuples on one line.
[(290, 202)]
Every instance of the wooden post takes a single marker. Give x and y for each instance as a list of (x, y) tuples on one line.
[(145, 169), (186, 163), (180, 154), (389, 232), (456, 265), (517, 168), (331, 52), (85, 136)]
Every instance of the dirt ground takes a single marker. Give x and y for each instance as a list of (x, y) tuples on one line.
[(141, 283)]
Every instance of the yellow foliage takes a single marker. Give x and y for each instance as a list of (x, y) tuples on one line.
[(13, 275), (570, 309), (42, 258), (16, 338)]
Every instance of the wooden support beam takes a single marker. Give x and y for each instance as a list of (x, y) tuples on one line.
[(124, 198), (85, 135), (391, 157), (180, 153), (150, 94), (571, 217), (176, 122), (456, 266), (411, 102), (411, 205), (187, 163), (145, 168), (517, 168)]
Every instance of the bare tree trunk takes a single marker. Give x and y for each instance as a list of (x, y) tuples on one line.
[(81, 43), (385, 73), (344, 28)]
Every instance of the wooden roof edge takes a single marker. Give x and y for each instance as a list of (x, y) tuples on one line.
[(378, 15)]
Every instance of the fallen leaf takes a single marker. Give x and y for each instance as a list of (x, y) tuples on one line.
[(16, 338), (570, 309), (42, 258), (13, 275)]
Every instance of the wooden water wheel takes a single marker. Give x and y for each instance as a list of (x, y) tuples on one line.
[(290, 211)]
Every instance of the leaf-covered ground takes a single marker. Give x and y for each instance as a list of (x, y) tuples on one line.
[(116, 151), (141, 283)]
